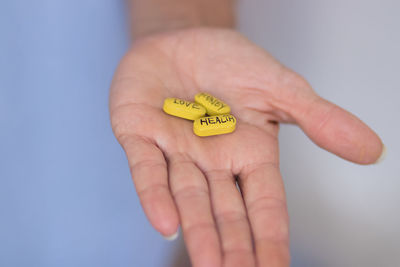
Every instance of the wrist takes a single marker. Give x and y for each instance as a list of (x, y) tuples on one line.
[(158, 26), (150, 19)]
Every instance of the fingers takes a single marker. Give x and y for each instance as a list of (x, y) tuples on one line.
[(337, 130), (190, 190), (231, 219), (264, 196), (149, 173)]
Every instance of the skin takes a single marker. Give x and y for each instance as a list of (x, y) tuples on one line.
[(190, 181)]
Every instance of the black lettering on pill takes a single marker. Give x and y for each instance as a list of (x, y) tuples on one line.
[(217, 120), (202, 95), (203, 120), (210, 99)]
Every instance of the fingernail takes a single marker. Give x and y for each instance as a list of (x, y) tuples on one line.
[(172, 237), (382, 156)]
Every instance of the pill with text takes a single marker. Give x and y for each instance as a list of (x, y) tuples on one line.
[(183, 109), (213, 105), (214, 125)]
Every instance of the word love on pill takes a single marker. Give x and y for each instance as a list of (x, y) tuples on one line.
[(183, 109), (213, 105), (214, 125)]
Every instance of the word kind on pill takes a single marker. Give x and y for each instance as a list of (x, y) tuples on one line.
[(214, 125), (183, 109), (213, 105)]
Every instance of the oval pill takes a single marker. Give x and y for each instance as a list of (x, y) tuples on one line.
[(214, 125), (213, 105), (183, 109)]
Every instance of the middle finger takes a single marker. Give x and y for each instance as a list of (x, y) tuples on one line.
[(230, 214)]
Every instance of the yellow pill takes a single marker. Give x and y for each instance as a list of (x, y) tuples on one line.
[(183, 109), (214, 125), (213, 105)]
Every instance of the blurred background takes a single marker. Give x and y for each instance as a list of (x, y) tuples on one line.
[(66, 197)]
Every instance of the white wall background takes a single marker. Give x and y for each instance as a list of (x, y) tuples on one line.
[(341, 214)]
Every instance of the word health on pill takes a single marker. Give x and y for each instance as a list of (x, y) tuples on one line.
[(213, 105), (214, 125), (183, 109)]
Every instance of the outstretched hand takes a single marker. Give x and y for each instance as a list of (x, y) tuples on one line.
[(186, 180)]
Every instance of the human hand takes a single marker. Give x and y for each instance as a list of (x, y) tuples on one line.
[(186, 180)]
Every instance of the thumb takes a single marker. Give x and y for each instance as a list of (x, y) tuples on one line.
[(337, 130)]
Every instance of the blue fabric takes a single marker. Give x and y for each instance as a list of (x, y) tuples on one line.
[(66, 197)]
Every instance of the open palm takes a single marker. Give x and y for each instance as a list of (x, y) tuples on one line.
[(186, 180)]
